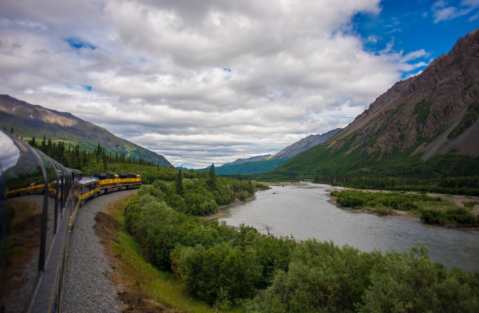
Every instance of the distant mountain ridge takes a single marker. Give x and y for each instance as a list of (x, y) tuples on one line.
[(252, 159), (426, 126), (304, 144), (265, 163), (30, 120)]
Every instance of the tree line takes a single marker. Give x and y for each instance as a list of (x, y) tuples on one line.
[(453, 185), (97, 161)]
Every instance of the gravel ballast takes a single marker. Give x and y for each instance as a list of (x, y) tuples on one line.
[(87, 286)]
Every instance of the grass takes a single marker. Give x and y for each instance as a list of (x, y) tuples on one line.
[(421, 110), (142, 277)]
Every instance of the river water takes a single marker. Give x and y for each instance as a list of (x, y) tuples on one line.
[(305, 213)]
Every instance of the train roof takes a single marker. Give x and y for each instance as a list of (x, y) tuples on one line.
[(103, 175), (87, 180)]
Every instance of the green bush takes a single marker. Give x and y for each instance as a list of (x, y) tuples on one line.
[(223, 267), (470, 204), (433, 217), (458, 216), (381, 201), (411, 282)]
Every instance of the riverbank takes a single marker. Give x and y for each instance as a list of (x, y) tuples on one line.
[(221, 209), (282, 184), (407, 216)]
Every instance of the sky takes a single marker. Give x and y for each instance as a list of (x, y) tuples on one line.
[(212, 81)]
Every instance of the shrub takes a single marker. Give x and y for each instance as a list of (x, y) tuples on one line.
[(411, 282), (221, 273), (321, 278), (243, 196), (458, 216), (433, 217), (470, 204)]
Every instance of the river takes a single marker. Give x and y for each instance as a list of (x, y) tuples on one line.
[(305, 212)]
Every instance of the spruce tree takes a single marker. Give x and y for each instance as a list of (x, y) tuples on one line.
[(212, 177), (179, 184)]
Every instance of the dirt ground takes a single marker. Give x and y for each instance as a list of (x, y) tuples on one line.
[(403, 215)]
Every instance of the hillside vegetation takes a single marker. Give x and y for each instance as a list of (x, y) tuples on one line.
[(28, 121)]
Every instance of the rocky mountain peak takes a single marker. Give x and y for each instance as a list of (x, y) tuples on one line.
[(436, 110)]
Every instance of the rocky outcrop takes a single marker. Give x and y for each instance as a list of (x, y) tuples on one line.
[(437, 108)]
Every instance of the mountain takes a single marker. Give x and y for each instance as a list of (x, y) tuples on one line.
[(304, 144), (265, 163), (252, 159), (426, 126), (30, 120)]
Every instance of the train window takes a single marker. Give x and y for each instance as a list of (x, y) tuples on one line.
[(24, 249), (57, 191), (65, 188), (51, 192)]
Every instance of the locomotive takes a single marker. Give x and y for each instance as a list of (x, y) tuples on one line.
[(39, 202)]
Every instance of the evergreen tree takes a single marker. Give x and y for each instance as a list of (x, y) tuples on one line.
[(179, 184), (11, 131), (212, 177), (33, 142), (44, 143)]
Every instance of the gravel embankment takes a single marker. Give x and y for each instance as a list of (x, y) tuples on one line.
[(87, 287)]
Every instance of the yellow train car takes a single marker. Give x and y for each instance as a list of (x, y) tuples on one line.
[(129, 181), (108, 182)]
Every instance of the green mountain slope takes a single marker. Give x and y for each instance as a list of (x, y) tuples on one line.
[(30, 120), (426, 126), (252, 159), (265, 163), (261, 166)]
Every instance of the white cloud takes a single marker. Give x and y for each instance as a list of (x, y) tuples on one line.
[(373, 39), (158, 75), (442, 12)]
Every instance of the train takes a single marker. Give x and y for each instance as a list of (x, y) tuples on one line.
[(39, 203)]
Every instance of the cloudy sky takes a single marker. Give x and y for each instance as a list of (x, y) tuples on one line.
[(215, 80)]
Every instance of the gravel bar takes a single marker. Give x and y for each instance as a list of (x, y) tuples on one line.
[(87, 287)]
